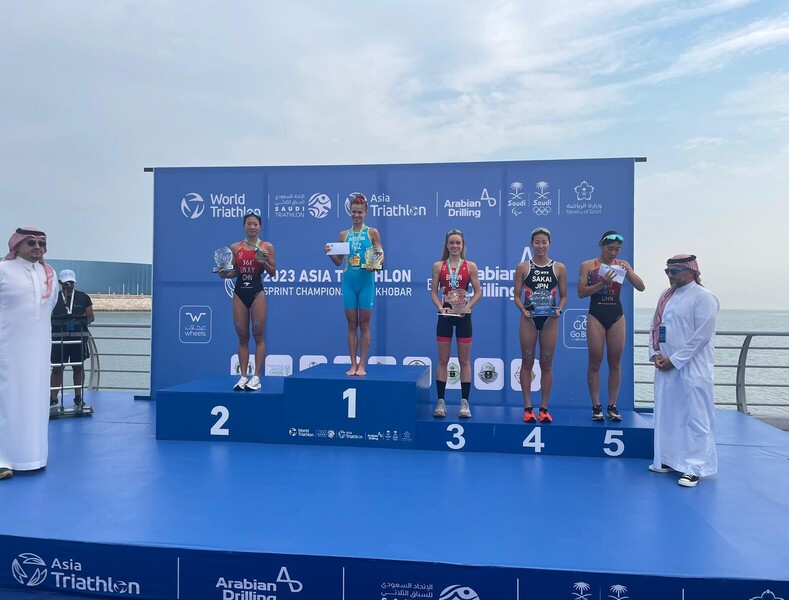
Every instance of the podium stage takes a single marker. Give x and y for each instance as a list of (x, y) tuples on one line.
[(120, 514), (388, 408)]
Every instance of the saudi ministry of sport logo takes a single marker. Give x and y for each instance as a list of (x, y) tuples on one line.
[(31, 570)]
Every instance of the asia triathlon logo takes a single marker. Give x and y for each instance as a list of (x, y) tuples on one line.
[(458, 592), (319, 205), (192, 206), (29, 569), (350, 197)]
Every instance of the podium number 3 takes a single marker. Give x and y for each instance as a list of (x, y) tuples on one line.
[(350, 396)]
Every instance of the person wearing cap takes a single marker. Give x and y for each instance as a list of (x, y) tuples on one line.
[(601, 280), (70, 318), (27, 296), (682, 347)]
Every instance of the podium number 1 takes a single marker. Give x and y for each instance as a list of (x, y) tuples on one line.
[(350, 396)]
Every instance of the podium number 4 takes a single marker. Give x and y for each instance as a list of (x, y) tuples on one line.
[(350, 396)]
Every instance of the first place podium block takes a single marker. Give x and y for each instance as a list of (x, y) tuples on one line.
[(323, 405)]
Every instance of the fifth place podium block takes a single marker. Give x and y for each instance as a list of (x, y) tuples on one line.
[(388, 408)]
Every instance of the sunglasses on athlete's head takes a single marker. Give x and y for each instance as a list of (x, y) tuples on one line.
[(613, 237), (454, 232), (39, 243), (673, 272), (541, 230)]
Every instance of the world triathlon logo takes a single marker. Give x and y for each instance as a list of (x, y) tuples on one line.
[(29, 569), (319, 205), (458, 592), (192, 206)]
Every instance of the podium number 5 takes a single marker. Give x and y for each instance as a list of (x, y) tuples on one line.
[(612, 439), (350, 396)]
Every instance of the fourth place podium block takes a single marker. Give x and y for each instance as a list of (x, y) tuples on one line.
[(388, 408)]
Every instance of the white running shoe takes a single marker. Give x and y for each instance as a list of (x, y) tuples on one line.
[(241, 383), (465, 411), (253, 384), (441, 409)]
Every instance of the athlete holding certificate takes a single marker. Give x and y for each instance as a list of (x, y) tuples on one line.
[(601, 280), (454, 275), (358, 281), (537, 282)]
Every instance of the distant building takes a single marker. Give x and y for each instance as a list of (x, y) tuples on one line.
[(96, 277)]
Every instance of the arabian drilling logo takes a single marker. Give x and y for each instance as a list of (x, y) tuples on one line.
[(30, 570), (319, 205), (542, 202), (466, 207), (247, 589), (583, 205), (192, 206), (458, 592)]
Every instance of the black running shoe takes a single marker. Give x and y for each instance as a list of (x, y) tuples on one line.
[(613, 413), (597, 413)]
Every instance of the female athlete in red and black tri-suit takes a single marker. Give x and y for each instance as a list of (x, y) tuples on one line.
[(536, 283), (606, 322), (251, 258), (452, 272)]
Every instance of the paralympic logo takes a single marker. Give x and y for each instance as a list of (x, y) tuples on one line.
[(192, 206)]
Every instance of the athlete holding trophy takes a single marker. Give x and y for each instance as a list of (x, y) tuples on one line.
[(454, 274), (246, 261)]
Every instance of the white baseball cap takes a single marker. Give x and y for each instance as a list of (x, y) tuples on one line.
[(67, 275)]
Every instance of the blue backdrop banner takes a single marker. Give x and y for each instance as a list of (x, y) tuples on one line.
[(496, 205)]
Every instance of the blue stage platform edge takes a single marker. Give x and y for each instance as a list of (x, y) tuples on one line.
[(120, 514)]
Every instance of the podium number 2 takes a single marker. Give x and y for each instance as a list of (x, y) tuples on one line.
[(350, 396), (217, 428)]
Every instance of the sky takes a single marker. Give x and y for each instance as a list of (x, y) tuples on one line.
[(93, 92)]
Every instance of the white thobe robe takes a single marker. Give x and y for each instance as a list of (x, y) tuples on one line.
[(25, 344), (684, 399)]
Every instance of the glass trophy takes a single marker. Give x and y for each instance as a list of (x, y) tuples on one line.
[(223, 257), (457, 301), (543, 303), (374, 257)]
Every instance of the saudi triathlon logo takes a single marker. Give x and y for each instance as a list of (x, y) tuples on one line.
[(31, 570), (459, 592), (319, 205), (192, 206)]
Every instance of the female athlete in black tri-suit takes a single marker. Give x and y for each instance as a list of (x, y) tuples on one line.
[(251, 257), (606, 322), (537, 282)]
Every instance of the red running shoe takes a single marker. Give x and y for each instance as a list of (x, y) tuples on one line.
[(545, 416), (528, 416)]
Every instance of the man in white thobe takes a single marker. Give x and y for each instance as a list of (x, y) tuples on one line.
[(682, 348), (27, 296)]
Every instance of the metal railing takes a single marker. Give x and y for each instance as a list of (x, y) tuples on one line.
[(731, 382), (115, 350)]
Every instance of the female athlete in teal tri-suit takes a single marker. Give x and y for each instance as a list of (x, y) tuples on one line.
[(358, 283)]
